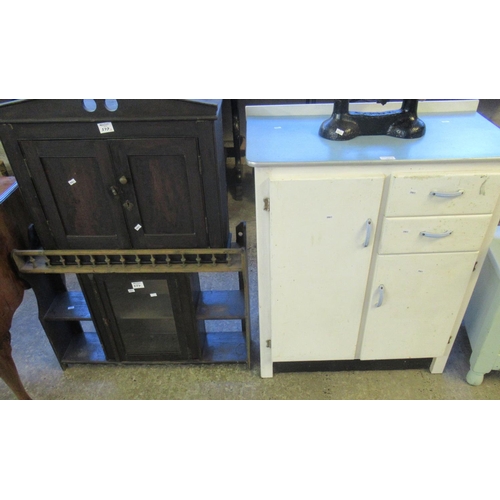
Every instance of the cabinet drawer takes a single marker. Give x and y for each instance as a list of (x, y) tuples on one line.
[(433, 234), (454, 194)]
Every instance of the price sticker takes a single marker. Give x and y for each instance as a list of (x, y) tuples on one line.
[(339, 132), (153, 295), (105, 128), (137, 285), (71, 182)]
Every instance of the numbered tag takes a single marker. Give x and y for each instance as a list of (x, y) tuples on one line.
[(153, 295), (71, 182), (137, 284), (105, 128)]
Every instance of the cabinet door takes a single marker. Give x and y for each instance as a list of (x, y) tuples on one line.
[(161, 190), (320, 257), (74, 183), (413, 316), (151, 316)]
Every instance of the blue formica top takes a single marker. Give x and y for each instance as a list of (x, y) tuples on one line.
[(289, 139)]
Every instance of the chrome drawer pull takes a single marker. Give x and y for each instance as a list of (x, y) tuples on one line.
[(381, 290), (448, 195), (369, 226), (436, 235)]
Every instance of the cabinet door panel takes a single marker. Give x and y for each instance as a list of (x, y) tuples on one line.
[(320, 264), (162, 196), (420, 302), (74, 180), (151, 316)]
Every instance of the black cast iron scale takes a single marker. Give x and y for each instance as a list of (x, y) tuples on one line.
[(344, 125)]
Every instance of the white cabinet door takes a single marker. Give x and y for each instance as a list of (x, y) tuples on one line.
[(413, 315), (321, 234)]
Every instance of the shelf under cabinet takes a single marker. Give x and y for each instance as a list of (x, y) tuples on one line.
[(226, 304), (225, 347), (69, 306), (84, 348)]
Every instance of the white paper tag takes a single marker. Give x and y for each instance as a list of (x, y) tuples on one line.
[(71, 182), (138, 227), (153, 295), (105, 128), (387, 157), (137, 284), (131, 290), (339, 132), (70, 308)]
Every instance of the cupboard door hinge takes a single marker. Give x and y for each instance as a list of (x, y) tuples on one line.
[(206, 225), (475, 267), (449, 340), (268, 344), (267, 204)]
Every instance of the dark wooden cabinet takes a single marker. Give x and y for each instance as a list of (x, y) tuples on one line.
[(147, 174), (155, 178)]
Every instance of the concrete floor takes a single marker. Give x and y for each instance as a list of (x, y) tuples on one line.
[(45, 380)]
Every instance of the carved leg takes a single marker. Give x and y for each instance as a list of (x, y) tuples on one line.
[(8, 370)]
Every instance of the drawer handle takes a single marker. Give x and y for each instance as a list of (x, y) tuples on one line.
[(448, 195), (436, 235), (369, 227), (381, 293)]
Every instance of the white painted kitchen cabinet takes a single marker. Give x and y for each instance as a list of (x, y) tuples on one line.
[(369, 249)]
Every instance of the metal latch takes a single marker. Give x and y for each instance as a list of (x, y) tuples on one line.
[(129, 206)]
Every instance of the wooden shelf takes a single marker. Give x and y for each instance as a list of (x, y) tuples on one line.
[(85, 348), (225, 347), (68, 306), (226, 304)]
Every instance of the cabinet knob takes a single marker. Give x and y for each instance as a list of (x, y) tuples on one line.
[(123, 180)]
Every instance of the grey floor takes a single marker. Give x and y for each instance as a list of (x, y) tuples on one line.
[(45, 380)]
